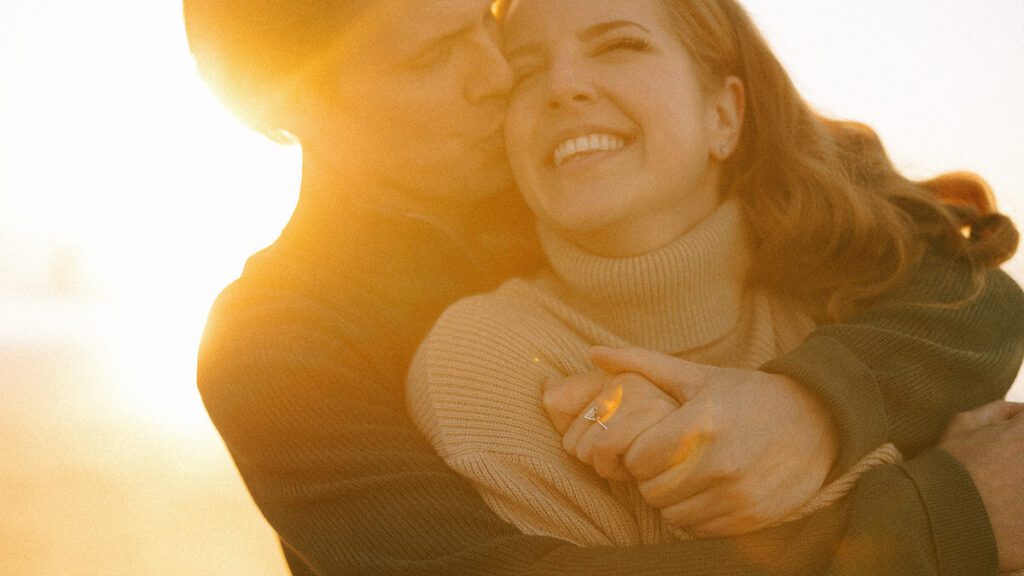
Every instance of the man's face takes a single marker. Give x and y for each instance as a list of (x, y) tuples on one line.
[(420, 101)]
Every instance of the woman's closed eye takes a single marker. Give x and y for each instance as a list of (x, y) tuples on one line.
[(622, 44)]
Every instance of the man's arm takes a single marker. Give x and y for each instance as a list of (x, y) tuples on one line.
[(898, 371), (332, 460)]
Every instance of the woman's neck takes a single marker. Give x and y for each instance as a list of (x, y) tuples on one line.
[(676, 297), (643, 231)]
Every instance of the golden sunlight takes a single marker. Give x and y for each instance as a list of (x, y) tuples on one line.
[(129, 198), (118, 153)]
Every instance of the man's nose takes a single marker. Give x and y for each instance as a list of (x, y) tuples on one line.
[(493, 76)]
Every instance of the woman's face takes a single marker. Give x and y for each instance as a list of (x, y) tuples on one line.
[(611, 135)]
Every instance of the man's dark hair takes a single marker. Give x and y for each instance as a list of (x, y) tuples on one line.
[(258, 55)]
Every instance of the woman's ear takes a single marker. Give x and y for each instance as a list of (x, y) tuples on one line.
[(729, 106)]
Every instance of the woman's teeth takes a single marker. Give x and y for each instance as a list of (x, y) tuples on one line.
[(586, 144)]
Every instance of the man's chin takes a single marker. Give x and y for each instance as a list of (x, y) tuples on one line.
[(486, 182), (498, 180)]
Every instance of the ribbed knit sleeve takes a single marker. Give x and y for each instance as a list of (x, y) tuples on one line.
[(900, 370), (475, 391)]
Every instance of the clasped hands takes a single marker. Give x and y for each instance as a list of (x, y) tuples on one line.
[(719, 451), (723, 451)]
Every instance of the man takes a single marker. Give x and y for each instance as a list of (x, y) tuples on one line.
[(405, 206)]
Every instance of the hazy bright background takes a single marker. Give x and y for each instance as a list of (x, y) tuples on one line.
[(128, 198)]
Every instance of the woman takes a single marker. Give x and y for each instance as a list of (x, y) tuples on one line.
[(688, 202)]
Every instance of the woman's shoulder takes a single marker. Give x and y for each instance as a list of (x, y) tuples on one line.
[(485, 354), (510, 313)]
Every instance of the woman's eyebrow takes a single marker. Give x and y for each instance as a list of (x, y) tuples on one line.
[(603, 28), (595, 31)]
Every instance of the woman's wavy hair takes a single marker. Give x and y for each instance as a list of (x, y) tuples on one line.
[(833, 223)]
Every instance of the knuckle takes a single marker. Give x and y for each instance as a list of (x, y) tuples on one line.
[(657, 499), (621, 475), (608, 468), (960, 417), (673, 517), (603, 468), (632, 462), (602, 448), (629, 379), (639, 462), (1016, 429), (549, 399), (730, 474), (663, 406), (569, 445), (557, 397), (654, 494), (739, 499)]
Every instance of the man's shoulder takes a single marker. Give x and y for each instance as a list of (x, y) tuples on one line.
[(263, 325), (274, 355)]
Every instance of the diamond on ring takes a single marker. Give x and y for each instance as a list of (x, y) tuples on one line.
[(592, 416)]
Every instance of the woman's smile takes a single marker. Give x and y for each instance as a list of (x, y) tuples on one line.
[(588, 146)]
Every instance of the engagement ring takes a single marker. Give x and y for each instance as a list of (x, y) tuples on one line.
[(591, 415)]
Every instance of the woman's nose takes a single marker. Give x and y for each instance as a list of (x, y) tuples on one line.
[(569, 85)]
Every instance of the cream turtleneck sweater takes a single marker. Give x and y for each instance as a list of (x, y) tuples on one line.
[(475, 384)]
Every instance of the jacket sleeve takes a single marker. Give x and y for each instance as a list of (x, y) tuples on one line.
[(325, 446), (898, 371)]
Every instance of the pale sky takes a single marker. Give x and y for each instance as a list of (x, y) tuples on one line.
[(112, 148)]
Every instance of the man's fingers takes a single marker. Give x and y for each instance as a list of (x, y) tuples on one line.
[(680, 437), (1012, 409), (674, 486), (726, 526), (991, 413), (697, 510), (674, 376)]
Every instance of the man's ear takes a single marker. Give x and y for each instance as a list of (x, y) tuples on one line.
[(729, 107)]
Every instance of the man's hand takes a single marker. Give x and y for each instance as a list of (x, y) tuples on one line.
[(745, 449), (989, 442)]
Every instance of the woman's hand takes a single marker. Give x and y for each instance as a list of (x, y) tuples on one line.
[(566, 399), (625, 406), (745, 449), (989, 442)]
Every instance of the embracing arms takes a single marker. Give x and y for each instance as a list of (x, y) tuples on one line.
[(322, 439), (895, 373), (900, 370)]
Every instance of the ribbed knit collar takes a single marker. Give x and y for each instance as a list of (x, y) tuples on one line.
[(681, 296)]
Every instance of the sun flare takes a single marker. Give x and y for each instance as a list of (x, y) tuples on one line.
[(133, 186), (152, 192)]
